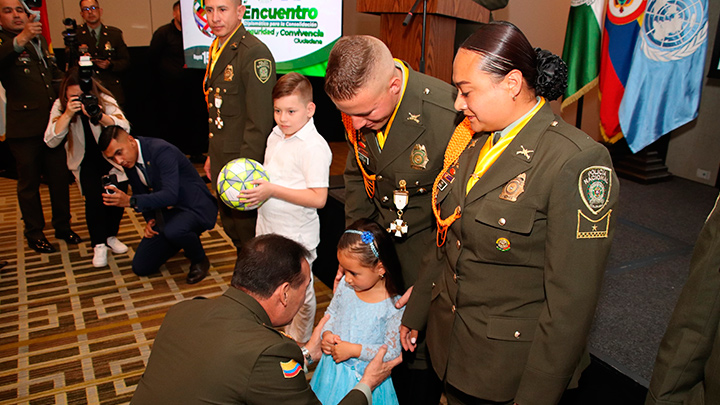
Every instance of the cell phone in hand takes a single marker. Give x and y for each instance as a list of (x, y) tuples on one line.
[(110, 180)]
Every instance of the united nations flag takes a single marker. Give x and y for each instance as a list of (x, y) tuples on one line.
[(665, 81)]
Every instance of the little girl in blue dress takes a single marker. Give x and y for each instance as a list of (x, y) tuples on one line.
[(363, 316)]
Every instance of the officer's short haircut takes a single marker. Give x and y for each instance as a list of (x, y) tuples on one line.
[(352, 62), (177, 4), (293, 83), (108, 134), (267, 261), (96, 2)]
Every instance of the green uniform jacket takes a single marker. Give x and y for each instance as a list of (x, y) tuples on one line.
[(240, 94), (511, 311), (224, 351), (423, 125), (110, 46), (29, 86), (687, 369)]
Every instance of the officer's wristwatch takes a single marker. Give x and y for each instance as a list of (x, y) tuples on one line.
[(133, 202), (307, 355)]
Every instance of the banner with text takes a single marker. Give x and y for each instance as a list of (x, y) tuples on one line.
[(299, 33)]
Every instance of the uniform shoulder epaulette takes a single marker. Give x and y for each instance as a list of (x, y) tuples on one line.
[(573, 134), (113, 29)]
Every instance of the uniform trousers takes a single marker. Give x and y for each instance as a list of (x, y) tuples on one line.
[(238, 225), (103, 221), (35, 160), (456, 397), (302, 323), (180, 230)]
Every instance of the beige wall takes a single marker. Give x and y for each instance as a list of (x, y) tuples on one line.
[(138, 19)]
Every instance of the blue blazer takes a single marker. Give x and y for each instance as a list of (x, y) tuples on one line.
[(173, 183)]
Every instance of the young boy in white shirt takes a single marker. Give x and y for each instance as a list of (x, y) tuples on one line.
[(297, 161)]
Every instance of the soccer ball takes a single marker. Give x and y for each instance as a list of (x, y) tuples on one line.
[(236, 177)]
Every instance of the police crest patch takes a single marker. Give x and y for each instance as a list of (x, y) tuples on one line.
[(263, 69), (594, 185)]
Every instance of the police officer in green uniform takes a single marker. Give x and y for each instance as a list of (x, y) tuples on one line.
[(687, 369), (525, 220), (227, 351), (398, 124), (106, 46), (28, 73), (238, 88)]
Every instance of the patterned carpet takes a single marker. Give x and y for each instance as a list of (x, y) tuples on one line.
[(74, 334)]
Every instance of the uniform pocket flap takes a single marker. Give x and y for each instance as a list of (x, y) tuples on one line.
[(519, 329), (507, 216), (32, 105), (416, 180)]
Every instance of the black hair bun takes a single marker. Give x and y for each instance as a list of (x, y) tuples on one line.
[(552, 75)]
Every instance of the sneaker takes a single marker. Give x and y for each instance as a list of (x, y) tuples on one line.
[(100, 257), (116, 246)]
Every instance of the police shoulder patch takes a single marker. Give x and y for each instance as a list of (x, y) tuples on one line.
[(263, 69), (594, 185)]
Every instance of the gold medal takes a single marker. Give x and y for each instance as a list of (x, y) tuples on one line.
[(218, 99)]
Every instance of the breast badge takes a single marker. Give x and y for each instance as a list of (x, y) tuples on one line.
[(229, 73), (418, 157), (594, 185), (109, 47), (502, 244), (513, 188), (263, 69)]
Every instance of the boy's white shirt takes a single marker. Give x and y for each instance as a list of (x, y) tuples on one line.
[(299, 162)]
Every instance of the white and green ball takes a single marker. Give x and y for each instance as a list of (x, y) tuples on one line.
[(235, 177)]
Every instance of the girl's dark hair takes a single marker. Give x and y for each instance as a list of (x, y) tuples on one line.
[(385, 247), (72, 78), (505, 48)]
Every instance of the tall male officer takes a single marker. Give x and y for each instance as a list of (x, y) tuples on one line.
[(399, 123), (106, 46), (172, 197), (226, 350), (27, 71), (238, 88), (687, 368)]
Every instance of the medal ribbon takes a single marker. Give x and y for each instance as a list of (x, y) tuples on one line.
[(368, 179), (489, 152), (460, 139), (214, 55), (382, 135)]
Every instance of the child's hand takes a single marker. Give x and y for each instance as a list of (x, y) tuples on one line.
[(329, 340), (262, 191), (345, 350)]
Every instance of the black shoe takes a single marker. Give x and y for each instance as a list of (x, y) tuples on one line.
[(69, 237), (41, 245), (198, 271)]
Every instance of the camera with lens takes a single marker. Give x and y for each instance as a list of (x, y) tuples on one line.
[(89, 100), (110, 180)]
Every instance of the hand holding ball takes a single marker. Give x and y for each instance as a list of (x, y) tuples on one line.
[(235, 177)]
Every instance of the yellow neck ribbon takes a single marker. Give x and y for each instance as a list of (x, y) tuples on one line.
[(382, 135)]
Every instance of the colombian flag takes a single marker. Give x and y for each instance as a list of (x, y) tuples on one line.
[(290, 368), (623, 20)]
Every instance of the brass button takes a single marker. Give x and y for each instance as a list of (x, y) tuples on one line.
[(455, 278), (210, 89), (453, 309), (209, 120), (378, 178), (517, 334), (458, 244), (502, 221), (427, 91), (211, 135), (433, 285), (385, 199), (417, 182), (25, 107)]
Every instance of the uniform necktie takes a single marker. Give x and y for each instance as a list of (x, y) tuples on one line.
[(95, 37)]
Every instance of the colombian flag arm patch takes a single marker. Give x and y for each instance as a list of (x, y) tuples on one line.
[(290, 368)]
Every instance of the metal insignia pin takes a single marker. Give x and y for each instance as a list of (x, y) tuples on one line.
[(525, 152), (502, 244), (414, 117)]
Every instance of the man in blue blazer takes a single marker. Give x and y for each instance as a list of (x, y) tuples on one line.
[(170, 194)]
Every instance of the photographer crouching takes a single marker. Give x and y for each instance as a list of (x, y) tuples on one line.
[(83, 109)]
